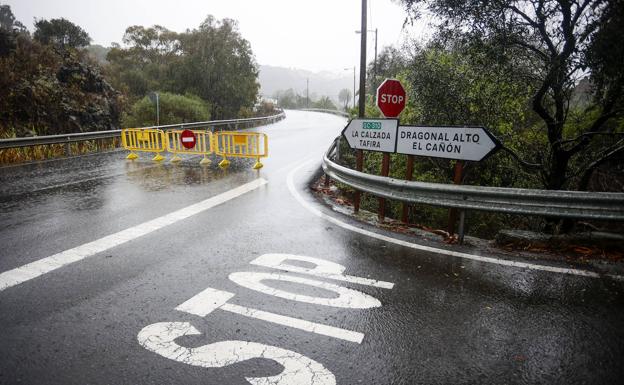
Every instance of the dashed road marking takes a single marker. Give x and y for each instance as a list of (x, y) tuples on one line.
[(35, 269)]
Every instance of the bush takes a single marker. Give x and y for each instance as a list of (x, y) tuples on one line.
[(174, 109)]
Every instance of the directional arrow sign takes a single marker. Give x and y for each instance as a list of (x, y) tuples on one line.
[(461, 143), (372, 134)]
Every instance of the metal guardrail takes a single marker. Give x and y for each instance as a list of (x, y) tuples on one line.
[(334, 112), (558, 204), (84, 136), (57, 139)]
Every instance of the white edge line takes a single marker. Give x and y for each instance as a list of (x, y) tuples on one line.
[(496, 261), (45, 265)]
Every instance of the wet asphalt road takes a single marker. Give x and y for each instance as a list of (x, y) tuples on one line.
[(111, 318)]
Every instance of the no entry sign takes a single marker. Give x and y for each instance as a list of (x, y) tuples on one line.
[(391, 98), (188, 139)]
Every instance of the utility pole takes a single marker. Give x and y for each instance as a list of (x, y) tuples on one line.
[(359, 154), (307, 92), (157, 110), (353, 86), (375, 62), (362, 100)]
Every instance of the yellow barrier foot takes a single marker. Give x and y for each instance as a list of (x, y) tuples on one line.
[(158, 158), (175, 159), (204, 162), (224, 163), (132, 156), (258, 165)]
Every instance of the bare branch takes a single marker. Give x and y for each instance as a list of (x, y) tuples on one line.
[(589, 134), (526, 165), (608, 154)]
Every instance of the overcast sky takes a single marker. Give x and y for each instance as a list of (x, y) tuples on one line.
[(309, 34)]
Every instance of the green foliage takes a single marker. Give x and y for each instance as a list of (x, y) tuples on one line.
[(324, 103), (213, 62), (173, 109), (60, 33), (44, 91), (547, 47)]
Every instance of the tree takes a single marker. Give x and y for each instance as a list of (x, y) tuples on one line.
[(287, 99), (390, 63), (324, 103), (213, 62), (8, 22), (9, 30), (550, 45), (344, 96), (60, 33), (149, 62), (218, 65)]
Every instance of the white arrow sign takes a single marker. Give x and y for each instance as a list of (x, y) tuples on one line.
[(372, 134), (461, 143)]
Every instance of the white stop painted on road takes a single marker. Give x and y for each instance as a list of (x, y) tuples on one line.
[(347, 298)]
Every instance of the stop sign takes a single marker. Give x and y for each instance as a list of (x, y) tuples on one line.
[(188, 139), (391, 98)]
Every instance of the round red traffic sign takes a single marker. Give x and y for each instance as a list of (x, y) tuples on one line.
[(188, 139), (391, 98)]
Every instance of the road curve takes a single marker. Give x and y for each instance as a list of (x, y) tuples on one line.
[(116, 272)]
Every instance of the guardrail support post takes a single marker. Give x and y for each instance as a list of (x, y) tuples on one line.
[(460, 231), (408, 176), (359, 163), (68, 151), (385, 170), (457, 179)]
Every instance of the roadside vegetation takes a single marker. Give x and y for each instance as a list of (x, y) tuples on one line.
[(290, 99), (544, 76), (52, 81)]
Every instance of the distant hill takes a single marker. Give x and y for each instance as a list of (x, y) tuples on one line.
[(273, 79)]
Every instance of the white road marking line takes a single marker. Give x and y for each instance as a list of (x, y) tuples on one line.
[(211, 299), (205, 302), (496, 261), (296, 323), (35, 269)]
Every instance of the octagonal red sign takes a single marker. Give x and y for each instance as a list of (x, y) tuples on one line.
[(391, 98)]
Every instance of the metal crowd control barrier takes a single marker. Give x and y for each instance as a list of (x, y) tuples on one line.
[(147, 140), (203, 145), (252, 145)]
